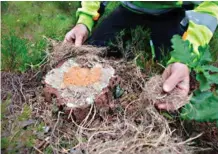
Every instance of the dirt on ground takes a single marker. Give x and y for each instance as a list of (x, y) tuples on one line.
[(131, 124)]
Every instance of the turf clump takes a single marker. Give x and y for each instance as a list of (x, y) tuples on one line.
[(153, 93)]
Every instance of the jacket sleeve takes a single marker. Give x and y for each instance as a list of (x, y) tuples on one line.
[(88, 13), (202, 24)]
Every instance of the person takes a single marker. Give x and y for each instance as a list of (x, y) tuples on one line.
[(194, 21)]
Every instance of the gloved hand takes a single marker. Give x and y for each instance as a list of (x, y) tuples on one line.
[(175, 75), (77, 35)]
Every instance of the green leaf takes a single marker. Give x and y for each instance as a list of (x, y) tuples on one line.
[(205, 55), (202, 107), (201, 97), (204, 84), (182, 50), (210, 68), (213, 78)]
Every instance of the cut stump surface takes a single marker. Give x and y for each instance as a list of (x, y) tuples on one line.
[(77, 87)]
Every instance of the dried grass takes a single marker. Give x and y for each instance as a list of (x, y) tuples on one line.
[(143, 130), (19, 88), (139, 129), (153, 93), (63, 51)]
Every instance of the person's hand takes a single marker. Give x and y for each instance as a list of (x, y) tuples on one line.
[(77, 35), (175, 75)]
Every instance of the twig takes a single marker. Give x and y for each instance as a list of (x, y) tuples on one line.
[(56, 123), (190, 139), (38, 150), (21, 89), (161, 65), (84, 128)]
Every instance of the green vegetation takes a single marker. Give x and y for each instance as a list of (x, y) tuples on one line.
[(25, 27), (32, 20), (203, 106), (18, 54), (207, 74), (23, 131), (133, 43)]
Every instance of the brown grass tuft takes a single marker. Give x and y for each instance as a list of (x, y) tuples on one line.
[(63, 51), (144, 131), (153, 93)]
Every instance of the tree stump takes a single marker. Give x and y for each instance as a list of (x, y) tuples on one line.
[(77, 86)]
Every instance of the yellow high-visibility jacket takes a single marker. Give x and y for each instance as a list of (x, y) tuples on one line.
[(202, 20)]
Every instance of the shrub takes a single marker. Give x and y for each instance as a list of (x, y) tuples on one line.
[(18, 54)]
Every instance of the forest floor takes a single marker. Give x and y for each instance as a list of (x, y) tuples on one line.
[(29, 124)]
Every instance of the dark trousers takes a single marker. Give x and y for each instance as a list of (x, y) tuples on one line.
[(162, 27)]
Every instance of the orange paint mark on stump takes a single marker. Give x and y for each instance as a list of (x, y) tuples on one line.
[(78, 76)]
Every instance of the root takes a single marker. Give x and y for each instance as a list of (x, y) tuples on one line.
[(153, 93), (150, 134), (64, 51)]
